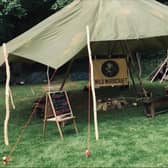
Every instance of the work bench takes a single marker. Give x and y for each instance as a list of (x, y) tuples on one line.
[(154, 106)]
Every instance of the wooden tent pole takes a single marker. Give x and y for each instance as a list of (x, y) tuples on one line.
[(163, 77), (92, 84), (129, 66), (166, 60), (66, 75), (165, 73), (133, 65), (132, 79), (139, 78), (131, 75), (154, 71), (7, 94), (139, 64)]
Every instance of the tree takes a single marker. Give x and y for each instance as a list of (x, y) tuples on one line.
[(60, 4), (163, 1), (16, 16), (11, 12)]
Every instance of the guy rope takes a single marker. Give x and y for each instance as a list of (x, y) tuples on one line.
[(6, 159)]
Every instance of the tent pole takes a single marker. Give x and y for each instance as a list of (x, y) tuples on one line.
[(139, 78), (166, 60), (133, 65), (165, 73), (66, 74), (132, 77), (139, 64), (154, 71), (92, 84), (7, 94), (129, 67)]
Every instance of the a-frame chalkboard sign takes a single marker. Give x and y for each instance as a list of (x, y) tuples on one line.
[(58, 110)]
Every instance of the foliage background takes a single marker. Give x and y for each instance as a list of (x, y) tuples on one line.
[(16, 16)]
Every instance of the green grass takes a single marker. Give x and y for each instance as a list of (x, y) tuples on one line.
[(127, 137)]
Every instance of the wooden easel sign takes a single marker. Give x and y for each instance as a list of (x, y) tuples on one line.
[(58, 109)]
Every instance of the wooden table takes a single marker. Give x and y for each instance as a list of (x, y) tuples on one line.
[(152, 106)]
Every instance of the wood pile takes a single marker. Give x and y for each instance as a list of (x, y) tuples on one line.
[(111, 103)]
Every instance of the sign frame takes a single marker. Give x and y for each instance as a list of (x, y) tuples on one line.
[(53, 106)]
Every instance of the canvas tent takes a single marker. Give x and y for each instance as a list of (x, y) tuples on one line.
[(139, 24), (115, 25)]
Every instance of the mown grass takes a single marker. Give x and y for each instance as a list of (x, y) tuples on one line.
[(127, 137)]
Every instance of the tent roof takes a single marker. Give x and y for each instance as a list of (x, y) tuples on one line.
[(58, 38)]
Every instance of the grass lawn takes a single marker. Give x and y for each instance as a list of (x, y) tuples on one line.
[(127, 137)]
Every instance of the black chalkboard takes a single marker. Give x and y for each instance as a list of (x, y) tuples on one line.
[(60, 102), (58, 109)]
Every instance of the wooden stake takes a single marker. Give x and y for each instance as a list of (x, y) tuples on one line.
[(7, 93), (92, 84)]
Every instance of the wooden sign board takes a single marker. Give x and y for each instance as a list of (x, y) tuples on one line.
[(110, 72), (58, 104)]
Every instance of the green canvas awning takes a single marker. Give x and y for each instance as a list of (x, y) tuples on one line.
[(140, 24)]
